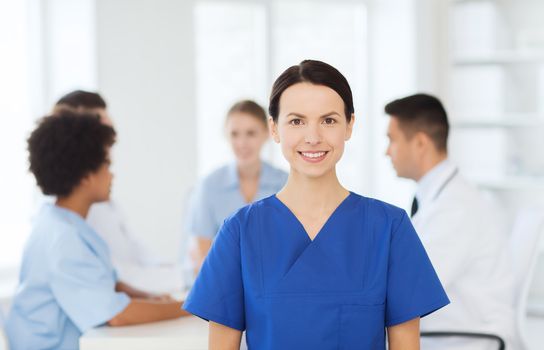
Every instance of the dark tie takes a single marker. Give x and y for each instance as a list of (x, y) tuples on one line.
[(414, 207)]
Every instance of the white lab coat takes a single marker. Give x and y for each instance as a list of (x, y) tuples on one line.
[(465, 240), (134, 263)]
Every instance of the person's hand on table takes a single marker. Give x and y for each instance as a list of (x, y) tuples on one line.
[(161, 297)]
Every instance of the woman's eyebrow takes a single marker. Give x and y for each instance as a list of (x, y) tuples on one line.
[(302, 116), (330, 114)]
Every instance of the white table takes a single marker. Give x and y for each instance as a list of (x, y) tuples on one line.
[(186, 333)]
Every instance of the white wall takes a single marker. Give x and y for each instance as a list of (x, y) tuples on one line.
[(15, 117), (146, 71), (69, 48), (392, 59)]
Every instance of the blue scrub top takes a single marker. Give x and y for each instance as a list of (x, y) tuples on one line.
[(218, 195), (67, 284), (364, 271)]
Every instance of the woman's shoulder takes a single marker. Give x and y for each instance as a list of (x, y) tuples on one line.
[(216, 180), (273, 173), (55, 229), (272, 168), (377, 208), (217, 175), (248, 213)]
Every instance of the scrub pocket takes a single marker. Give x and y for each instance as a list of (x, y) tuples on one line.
[(362, 327), (298, 322)]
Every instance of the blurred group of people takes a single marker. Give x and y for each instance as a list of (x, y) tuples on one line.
[(81, 259)]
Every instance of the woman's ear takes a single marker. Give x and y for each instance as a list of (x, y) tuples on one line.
[(86, 181), (273, 130), (350, 127)]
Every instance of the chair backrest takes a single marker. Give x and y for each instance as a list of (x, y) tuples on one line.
[(524, 247)]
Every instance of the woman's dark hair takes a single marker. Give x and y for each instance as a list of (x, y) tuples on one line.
[(421, 113), (249, 107), (65, 148), (314, 72), (80, 98)]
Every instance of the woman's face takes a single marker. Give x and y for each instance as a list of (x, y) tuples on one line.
[(100, 181), (247, 135), (311, 128)]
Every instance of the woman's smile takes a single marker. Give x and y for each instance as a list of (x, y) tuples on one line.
[(313, 156)]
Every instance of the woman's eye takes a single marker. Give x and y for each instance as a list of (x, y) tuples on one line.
[(329, 121), (295, 122)]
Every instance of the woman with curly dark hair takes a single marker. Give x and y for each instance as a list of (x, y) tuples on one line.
[(67, 282)]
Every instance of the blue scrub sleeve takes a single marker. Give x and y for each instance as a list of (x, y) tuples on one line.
[(83, 285), (200, 221), (413, 287), (218, 292)]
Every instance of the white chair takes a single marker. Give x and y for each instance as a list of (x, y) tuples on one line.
[(524, 246), (523, 250)]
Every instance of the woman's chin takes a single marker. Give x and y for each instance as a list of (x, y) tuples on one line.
[(246, 161)]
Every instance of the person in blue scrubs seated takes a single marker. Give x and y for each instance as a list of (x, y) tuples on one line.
[(133, 261), (315, 266), (234, 185), (67, 282)]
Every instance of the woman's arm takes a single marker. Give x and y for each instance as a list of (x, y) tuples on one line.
[(404, 336), (140, 294), (223, 337), (201, 249), (145, 310)]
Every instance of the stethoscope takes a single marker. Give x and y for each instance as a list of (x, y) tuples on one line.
[(445, 184), (438, 192)]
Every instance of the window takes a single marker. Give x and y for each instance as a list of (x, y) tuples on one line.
[(16, 184), (241, 47), (47, 49)]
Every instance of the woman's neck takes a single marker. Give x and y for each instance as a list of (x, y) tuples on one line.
[(320, 192), (74, 203), (249, 171)]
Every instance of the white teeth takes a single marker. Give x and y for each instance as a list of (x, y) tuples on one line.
[(313, 155)]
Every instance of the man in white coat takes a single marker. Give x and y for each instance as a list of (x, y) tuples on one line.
[(461, 232)]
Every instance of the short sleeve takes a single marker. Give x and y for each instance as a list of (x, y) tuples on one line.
[(83, 285), (218, 292), (200, 219), (413, 287)]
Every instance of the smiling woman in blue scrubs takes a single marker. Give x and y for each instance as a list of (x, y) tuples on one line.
[(315, 266)]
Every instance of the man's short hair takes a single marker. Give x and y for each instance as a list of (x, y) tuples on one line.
[(65, 148), (84, 99), (421, 113)]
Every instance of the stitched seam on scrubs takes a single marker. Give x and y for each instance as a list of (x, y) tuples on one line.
[(421, 312), (317, 294), (261, 254), (236, 243), (233, 241), (402, 217), (210, 316), (367, 256)]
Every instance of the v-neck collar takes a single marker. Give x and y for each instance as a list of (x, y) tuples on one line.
[(286, 209)]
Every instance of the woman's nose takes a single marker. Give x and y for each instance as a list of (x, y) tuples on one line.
[(313, 135)]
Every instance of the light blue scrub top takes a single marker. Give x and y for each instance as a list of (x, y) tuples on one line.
[(364, 271), (66, 284), (218, 195)]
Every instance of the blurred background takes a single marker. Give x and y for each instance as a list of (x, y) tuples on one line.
[(170, 70)]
